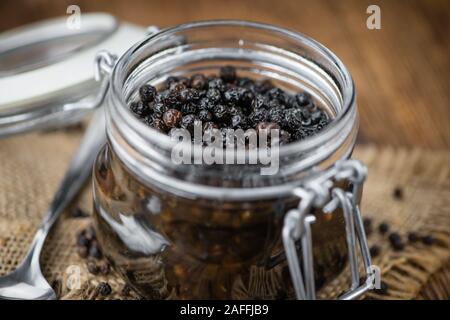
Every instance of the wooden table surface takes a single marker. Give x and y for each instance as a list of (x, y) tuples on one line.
[(401, 71)]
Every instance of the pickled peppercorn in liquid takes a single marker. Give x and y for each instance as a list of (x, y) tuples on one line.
[(170, 247)]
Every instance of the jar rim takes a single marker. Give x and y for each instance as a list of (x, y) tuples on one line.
[(309, 143)]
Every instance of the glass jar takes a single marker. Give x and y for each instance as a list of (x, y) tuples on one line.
[(216, 231)]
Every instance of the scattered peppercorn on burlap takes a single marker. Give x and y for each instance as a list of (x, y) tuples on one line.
[(32, 165)]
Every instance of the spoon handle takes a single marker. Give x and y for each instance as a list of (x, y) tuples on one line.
[(79, 169)]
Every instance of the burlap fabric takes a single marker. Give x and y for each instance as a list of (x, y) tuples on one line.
[(32, 165)]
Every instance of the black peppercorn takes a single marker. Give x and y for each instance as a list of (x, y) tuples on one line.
[(78, 213), (293, 119), (217, 84), (375, 251), (276, 115), (257, 116), (147, 93), (259, 102), (239, 121), (396, 241), (221, 113), (301, 134), (104, 268), (170, 81), (246, 98), (428, 240), (245, 83), (228, 73), (171, 118), (232, 95), (189, 95), (367, 223), (177, 87), (126, 290), (264, 85), (82, 252), (206, 104), (104, 289), (276, 94), (187, 122), (159, 108), (394, 237), (188, 108), (82, 241), (398, 193), (275, 104), (303, 99), (159, 125), (205, 115), (94, 251), (198, 81), (235, 110), (317, 116), (140, 108), (172, 99), (412, 237), (89, 233), (184, 80), (383, 228), (213, 95), (285, 137), (92, 267)]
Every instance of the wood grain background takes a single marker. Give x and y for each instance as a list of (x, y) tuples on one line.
[(401, 71)]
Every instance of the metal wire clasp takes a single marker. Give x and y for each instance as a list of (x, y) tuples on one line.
[(104, 62), (297, 226)]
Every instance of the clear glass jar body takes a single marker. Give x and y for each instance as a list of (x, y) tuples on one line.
[(213, 231)]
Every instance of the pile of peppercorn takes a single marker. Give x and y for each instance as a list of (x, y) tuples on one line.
[(228, 102), (396, 240), (88, 248)]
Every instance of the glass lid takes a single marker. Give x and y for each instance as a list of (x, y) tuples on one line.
[(47, 65)]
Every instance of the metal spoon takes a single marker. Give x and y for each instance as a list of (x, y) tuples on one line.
[(27, 281)]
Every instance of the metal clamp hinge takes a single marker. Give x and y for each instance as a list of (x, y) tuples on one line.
[(297, 226)]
